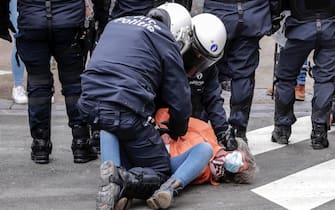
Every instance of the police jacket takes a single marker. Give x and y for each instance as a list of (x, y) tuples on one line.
[(251, 18), (5, 23), (141, 7), (136, 60), (34, 14), (132, 7), (303, 25), (207, 103)]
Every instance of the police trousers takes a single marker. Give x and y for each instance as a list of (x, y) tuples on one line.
[(35, 47), (140, 143), (291, 58), (240, 62)]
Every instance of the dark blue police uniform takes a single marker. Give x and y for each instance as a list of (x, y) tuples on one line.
[(141, 7), (207, 103), (51, 28), (134, 7), (247, 21), (311, 26), (136, 61)]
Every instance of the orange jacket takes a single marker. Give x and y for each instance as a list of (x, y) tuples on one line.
[(198, 131)]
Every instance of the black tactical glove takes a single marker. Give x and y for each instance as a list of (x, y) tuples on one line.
[(5, 24), (227, 139), (276, 8), (276, 23), (101, 13), (167, 130), (163, 131)]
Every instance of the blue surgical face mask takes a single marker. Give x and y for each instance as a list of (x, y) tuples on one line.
[(233, 161)]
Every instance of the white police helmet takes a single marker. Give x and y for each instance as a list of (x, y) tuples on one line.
[(208, 41), (180, 23)]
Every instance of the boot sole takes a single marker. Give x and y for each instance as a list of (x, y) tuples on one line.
[(161, 200), (279, 141), (83, 156), (320, 146), (105, 197), (84, 159), (40, 159)]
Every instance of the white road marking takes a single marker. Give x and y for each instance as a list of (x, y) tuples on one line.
[(2, 72), (260, 139), (303, 190)]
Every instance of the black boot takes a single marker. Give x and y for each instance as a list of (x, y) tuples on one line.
[(319, 137), (241, 133), (162, 198), (228, 140), (41, 146), (82, 150), (281, 134), (119, 186), (95, 140)]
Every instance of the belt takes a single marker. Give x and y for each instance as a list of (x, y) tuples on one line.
[(313, 16)]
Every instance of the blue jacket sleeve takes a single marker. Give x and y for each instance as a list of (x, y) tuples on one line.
[(213, 102), (175, 92)]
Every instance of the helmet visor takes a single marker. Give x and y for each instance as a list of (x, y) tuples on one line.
[(195, 61)]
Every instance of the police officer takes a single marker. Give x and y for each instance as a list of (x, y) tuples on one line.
[(208, 38), (310, 27), (247, 21), (52, 28), (137, 60), (105, 10), (207, 103)]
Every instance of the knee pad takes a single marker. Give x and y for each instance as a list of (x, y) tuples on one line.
[(71, 90), (139, 182)]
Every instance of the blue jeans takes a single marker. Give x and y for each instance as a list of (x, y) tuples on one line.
[(17, 65), (185, 167), (110, 148), (188, 165), (301, 78)]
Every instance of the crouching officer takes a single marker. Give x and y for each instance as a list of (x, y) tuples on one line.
[(207, 103), (51, 28), (136, 61), (311, 26)]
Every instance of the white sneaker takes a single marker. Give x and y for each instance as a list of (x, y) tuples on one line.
[(19, 95)]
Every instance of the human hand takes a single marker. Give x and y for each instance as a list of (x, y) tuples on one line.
[(217, 167), (228, 140), (166, 138), (88, 8)]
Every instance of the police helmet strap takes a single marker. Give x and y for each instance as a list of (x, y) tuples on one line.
[(160, 15)]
